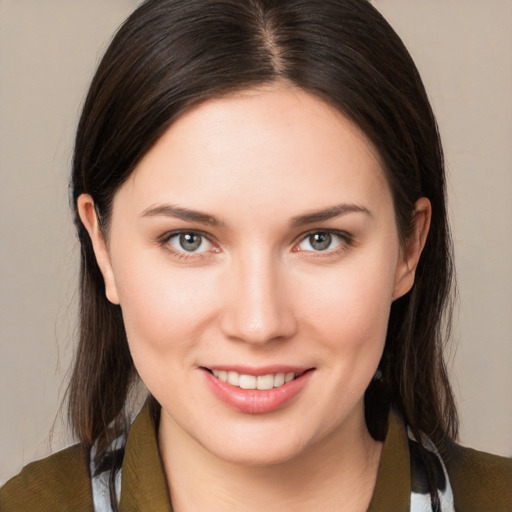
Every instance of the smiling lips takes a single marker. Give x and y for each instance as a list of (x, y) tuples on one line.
[(257, 394)]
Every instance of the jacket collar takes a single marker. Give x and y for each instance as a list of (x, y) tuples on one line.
[(393, 487), (144, 484)]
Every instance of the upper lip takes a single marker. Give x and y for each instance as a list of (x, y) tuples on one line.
[(259, 370)]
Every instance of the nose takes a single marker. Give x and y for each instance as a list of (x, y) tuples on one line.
[(257, 308)]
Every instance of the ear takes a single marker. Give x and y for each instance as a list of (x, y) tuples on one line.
[(410, 253), (89, 218)]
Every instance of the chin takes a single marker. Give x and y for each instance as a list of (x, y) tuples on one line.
[(258, 456), (267, 447)]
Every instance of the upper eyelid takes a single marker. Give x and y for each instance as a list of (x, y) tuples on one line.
[(338, 232), (169, 234), (310, 232)]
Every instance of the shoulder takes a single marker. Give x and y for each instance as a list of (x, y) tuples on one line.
[(480, 481), (59, 482)]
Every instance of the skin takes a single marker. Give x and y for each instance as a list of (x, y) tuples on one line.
[(259, 292)]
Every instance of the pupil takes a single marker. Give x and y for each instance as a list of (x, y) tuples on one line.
[(190, 241), (320, 241)]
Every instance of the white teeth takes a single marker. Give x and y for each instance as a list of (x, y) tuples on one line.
[(233, 378), (289, 377), (221, 374), (265, 382), (247, 382), (262, 382), (278, 379)]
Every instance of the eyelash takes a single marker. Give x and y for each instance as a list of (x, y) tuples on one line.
[(184, 255), (345, 241)]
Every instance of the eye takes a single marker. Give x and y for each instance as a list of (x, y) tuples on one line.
[(323, 241), (189, 241)]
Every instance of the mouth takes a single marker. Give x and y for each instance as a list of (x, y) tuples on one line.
[(260, 382), (257, 391)]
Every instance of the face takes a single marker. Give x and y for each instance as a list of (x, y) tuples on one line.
[(255, 246)]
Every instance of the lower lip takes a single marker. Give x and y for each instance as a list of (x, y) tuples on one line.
[(256, 401)]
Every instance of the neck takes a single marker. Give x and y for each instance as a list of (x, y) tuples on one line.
[(336, 473)]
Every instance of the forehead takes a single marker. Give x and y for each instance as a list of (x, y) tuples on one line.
[(258, 146)]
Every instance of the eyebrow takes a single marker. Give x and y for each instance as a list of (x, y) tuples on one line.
[(170, 210), (329, 213)]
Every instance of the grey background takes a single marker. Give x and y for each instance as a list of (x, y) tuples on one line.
[(48, 52)]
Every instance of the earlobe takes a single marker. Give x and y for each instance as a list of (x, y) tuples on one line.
[(410, 253), (89, 218)]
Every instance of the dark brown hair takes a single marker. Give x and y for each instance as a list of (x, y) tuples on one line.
[(172, 54)]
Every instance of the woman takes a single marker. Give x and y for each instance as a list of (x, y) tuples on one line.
[(259, 195)]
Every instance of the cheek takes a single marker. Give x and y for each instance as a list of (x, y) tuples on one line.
[(164, 308), (349, 308), (356, 296)]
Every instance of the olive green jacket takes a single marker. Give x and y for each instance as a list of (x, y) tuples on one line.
[(481, 482)]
